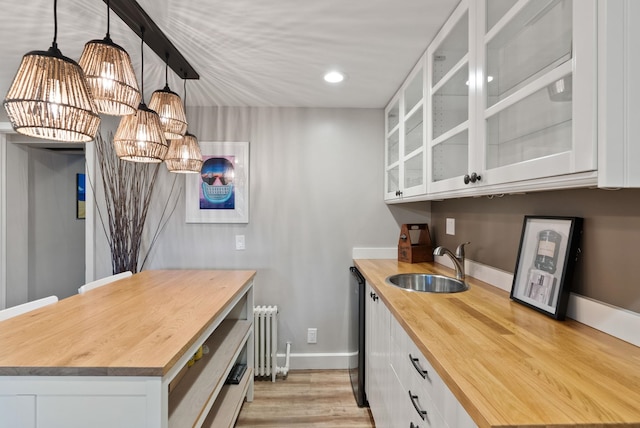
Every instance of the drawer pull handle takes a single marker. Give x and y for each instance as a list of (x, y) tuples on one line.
[(414, 401), (416, 365)]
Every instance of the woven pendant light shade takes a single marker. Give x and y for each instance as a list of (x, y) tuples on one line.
[(139, 137), (171, 112), (184, 155), (110, 77), (49, 99)]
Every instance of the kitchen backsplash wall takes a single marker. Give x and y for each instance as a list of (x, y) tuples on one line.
[(606, 270)]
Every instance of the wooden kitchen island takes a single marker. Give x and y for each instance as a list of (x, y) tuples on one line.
[(116, 356)]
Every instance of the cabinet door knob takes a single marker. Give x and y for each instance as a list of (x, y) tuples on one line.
[(416, 365), (471, 178), (414, 401)]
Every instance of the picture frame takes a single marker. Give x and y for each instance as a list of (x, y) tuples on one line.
[(549, 247), (220, 193), (80, 197)]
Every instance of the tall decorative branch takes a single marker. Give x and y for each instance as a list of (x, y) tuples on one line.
[(128, 189)]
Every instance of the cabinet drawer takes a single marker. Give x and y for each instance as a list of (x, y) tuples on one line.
[(422, 374)]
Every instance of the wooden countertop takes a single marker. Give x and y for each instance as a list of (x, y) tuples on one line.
[(511, 366), (138, 326)]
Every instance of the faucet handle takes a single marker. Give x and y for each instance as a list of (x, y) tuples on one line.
[(460, 250)]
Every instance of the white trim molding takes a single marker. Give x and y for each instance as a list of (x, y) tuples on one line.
[(615, 321), (318, 361), (3, 219)]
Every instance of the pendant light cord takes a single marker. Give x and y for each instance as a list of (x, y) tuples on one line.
[(108, 19), (185, 95), (55, 24), (166, 69), (142, 66)]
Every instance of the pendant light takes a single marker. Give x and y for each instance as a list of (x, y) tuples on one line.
[(110, 75), (184, 155), (170, 109), (139, 137), (49, 97)]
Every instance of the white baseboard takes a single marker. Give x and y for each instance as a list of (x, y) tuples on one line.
[(615, 321), (319, 361)]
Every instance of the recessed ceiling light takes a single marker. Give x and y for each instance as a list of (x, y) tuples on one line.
[(334, 77)]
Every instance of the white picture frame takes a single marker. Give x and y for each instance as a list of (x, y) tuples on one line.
[(220, 193)]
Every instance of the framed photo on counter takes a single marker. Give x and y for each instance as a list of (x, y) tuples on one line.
[(549, 247)]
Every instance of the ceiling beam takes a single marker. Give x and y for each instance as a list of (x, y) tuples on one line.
[(136, 18)]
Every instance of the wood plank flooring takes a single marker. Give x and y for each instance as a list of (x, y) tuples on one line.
[(306, 398)]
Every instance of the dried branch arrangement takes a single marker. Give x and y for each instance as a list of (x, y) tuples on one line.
[(128, 189)]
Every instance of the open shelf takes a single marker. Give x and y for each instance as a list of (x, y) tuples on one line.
[(227, 407), (196, 392)]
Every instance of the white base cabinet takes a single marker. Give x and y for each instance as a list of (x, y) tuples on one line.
[(403, 389)]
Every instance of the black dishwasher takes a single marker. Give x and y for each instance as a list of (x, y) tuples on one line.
[(356, 335)]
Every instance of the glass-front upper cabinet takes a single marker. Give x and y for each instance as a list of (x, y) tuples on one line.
[(511, 96), (405, 161), (536, 86), (449, 62)]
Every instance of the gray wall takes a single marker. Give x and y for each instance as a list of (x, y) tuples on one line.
[(315, 193), (606, 269), (45, 241)]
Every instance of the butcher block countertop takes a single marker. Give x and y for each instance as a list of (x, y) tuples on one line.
[(509, 365), (137, 326)]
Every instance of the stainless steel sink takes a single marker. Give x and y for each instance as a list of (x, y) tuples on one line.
[(427, 283)]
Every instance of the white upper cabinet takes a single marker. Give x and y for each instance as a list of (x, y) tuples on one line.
[(512, 96), (513, 93), (618, 93), (405, 161), (536, 89)]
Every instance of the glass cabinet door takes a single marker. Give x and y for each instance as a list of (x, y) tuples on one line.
[(413, 164), (405, 165), (392, 151), (528, 93), (450, 103)]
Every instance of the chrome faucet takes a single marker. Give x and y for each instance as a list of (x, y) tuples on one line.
[(457, 258)]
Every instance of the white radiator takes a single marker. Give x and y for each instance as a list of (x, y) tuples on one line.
[(265, 336)]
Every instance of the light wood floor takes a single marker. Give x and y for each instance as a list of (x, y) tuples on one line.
[(306, 398)]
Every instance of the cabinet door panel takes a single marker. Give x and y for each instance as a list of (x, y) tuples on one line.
[(534, 41), (452, 49), (91, 411), (534, 127), (17, 411), (450, 158), (450, 103)]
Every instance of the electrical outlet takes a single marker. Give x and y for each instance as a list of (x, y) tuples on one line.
[(451, 226), (240, 242), (312, 335)]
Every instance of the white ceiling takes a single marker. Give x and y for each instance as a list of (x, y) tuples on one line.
[(248, 52)]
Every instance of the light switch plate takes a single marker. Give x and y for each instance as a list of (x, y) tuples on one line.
[(451, 226), (312, 335), (240, 242)]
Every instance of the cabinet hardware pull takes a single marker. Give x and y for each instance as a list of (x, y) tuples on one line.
[(414, 401), (471, 178), (416, 365)]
